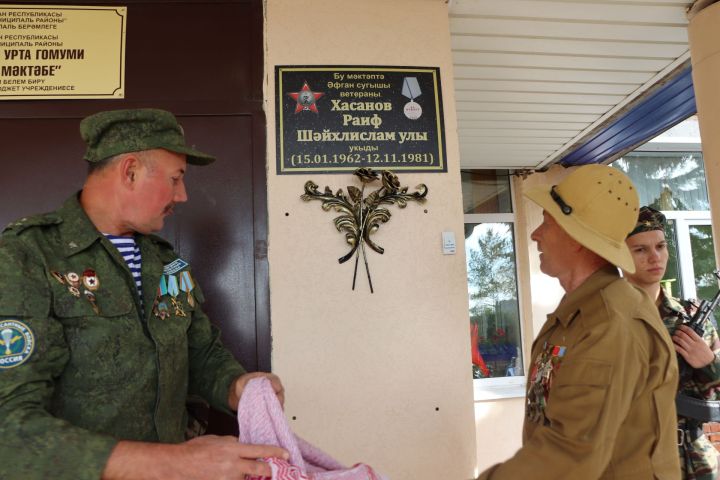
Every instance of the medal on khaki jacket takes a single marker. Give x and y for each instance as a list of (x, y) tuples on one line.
[(544, 368)]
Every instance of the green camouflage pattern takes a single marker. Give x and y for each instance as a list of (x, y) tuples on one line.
[(96, 378), (698, 458), (648, 219), (114, 132)]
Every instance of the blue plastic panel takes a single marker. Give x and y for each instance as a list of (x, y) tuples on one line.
[(664, 108)]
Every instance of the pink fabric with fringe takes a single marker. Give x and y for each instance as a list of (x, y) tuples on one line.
[(262, 421)]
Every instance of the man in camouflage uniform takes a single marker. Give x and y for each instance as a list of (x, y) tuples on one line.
[(95, 363), (698, 457)]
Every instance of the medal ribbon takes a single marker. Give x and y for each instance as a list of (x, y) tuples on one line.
[(172, 285), (163, 289), (186, 282)]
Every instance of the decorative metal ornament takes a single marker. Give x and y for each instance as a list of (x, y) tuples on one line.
[(362, 216)]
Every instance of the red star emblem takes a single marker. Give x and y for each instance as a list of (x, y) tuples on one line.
[(306, 99)]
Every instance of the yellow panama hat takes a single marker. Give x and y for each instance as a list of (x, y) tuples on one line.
[(597, 206)]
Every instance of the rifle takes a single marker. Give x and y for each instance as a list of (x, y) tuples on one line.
[(696, 323), (702, 410)]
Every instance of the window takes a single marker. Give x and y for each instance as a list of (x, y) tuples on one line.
[(495, 327), (672, 180)]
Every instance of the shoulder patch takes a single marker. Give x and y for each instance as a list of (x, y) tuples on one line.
[(33, 221), (174, 266), (17, 343)]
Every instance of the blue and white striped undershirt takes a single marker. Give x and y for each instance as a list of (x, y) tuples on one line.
[(131, 254)]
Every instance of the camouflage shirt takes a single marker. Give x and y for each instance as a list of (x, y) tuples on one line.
[(698, 457), (705, 382), (80, 366)]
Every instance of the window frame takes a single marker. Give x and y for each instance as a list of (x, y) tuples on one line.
[(683, 221), (497, 388)]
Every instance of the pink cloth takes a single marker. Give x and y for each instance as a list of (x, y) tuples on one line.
[(262, 421)]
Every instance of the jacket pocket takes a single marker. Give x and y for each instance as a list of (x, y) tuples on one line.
[(577, 398)]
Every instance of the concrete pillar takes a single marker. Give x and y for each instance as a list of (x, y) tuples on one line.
[(705, 57)]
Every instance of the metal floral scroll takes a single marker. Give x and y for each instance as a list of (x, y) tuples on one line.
[(360, 215)]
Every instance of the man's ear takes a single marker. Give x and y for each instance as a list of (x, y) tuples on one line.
[(128, 170)]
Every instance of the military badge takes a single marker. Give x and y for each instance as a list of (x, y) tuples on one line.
[(186, 285), (162, 311), (179, 312), (58, 276), (73, 279), (176, 279), (90, 280), (93, 302), (162, 288), (17, 343), (172, 285), (542, 372), (174, 266)]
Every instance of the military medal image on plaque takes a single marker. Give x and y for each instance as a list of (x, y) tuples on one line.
[(411, 90), (362, 215)]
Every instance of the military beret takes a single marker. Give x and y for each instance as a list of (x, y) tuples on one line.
[(648, 219), (114, 132)]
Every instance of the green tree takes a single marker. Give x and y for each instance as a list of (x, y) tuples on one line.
[(491, 275)]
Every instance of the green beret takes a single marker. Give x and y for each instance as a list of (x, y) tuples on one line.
[(648, 219), (121, 131)]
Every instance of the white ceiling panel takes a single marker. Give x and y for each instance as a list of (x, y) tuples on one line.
[(639, 32), (565, 46), (532, 77), (531, 97), (526, 116), (531, 107), (471, 125), (574, 11), (554, 142), (543, 60), (492, 72), (468, 85)]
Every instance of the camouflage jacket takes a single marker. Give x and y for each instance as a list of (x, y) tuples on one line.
[(705, 382), (80, 367)]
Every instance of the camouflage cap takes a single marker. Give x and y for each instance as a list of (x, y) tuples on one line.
[(648, 219), (114, 132)]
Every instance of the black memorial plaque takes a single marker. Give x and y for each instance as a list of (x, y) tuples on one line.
[(337, 119)]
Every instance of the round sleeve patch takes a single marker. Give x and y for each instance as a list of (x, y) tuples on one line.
[(17, 343)]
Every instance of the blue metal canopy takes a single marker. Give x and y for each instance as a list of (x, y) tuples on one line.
[(665, 107)]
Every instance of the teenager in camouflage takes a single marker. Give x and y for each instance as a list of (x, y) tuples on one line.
[(698, 458), (102, 331)]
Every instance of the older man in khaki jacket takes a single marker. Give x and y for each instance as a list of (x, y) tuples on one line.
[(601, 385)]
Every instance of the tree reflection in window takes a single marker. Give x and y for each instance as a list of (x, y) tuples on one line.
[(492, 288)]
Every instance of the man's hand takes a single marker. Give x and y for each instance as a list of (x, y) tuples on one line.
[(237, 387), (204, 458), (692, 347), (227, 459)]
